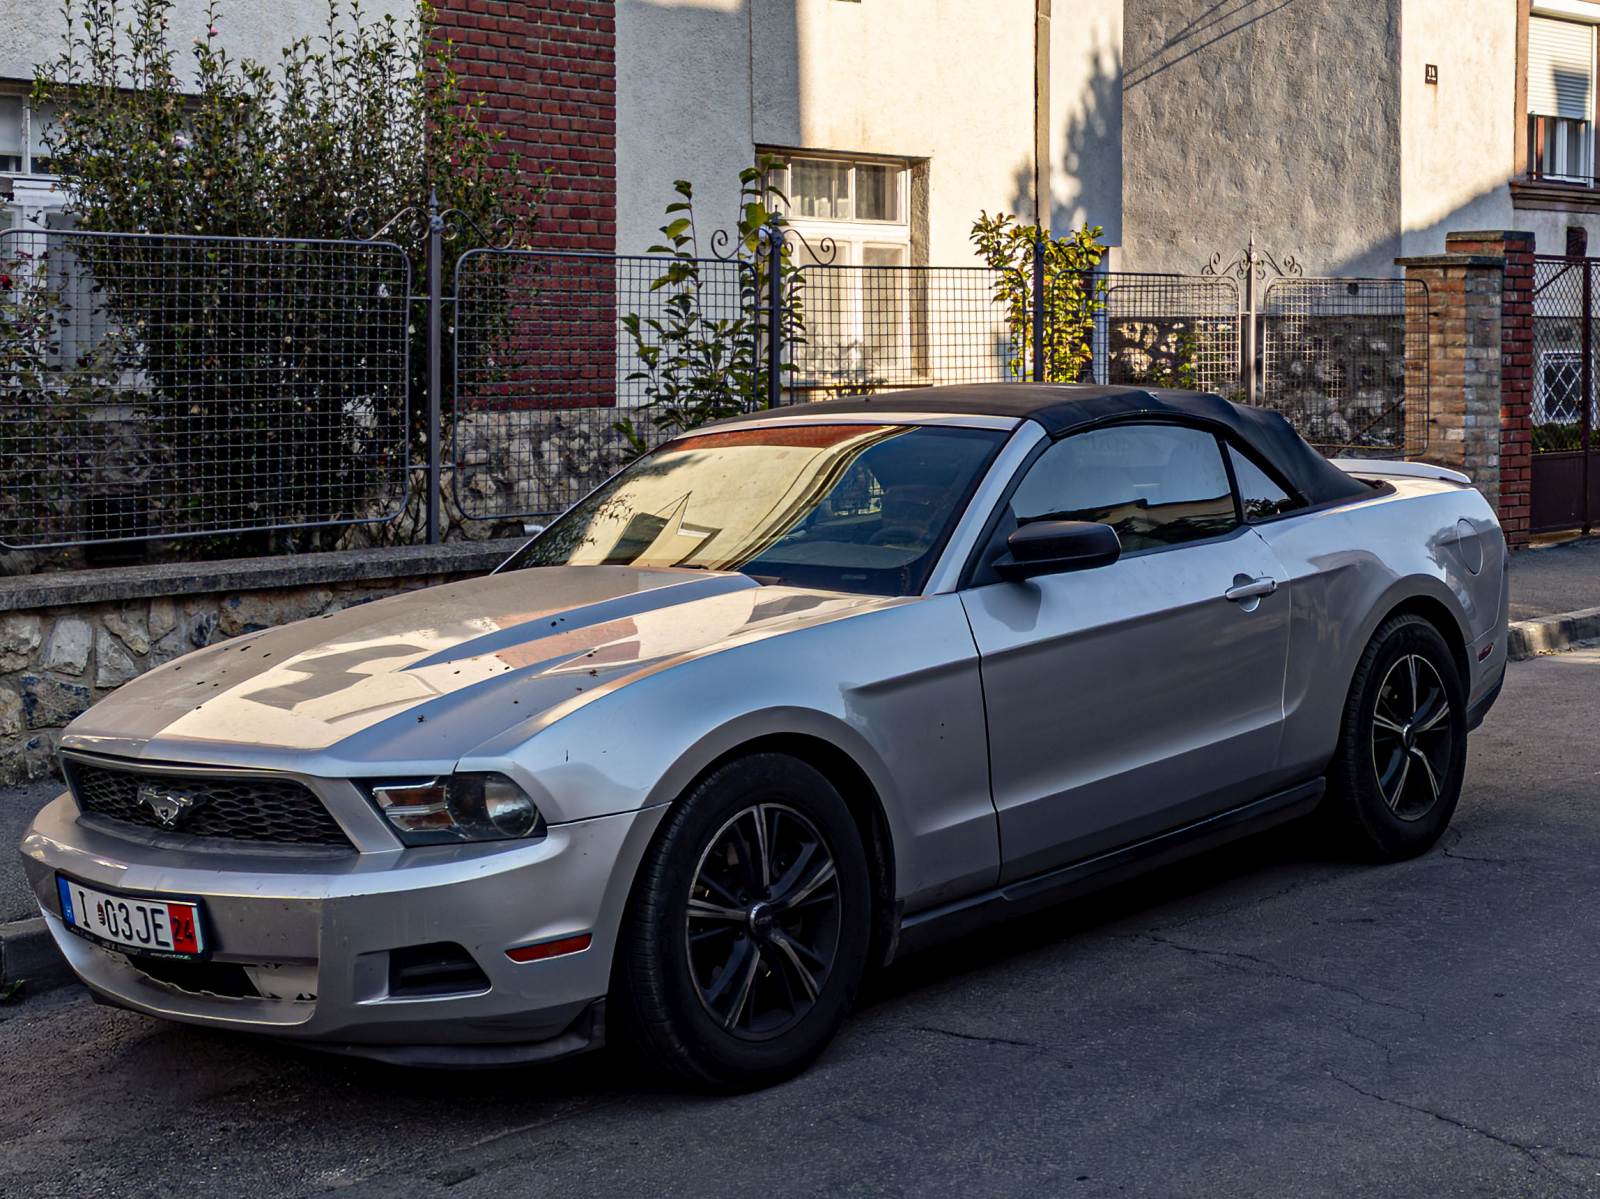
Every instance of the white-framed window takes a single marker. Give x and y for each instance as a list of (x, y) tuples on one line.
[(24, 135), (1558, 388), (29, 194), (1561, 69), (853, 217)]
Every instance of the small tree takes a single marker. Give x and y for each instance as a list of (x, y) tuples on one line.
[(248, 377), (1073, 294), (699, 362)]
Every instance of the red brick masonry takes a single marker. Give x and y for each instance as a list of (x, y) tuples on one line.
[(548, 72), (548, 69)]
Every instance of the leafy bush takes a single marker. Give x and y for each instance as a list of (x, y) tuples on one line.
[(248, 380), (698, 363), (1073, 294), (1550, 438)]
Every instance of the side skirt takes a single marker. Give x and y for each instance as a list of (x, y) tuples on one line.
[(1042, 890)]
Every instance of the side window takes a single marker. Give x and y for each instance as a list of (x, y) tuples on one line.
[(1156, 485), (1259, 496)]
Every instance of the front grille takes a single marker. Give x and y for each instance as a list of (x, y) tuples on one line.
[(281, 811)]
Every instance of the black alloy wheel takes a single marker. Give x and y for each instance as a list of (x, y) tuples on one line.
[(747, 931), (762, 924)]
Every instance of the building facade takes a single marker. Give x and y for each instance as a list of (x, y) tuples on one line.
[(1348, 135)]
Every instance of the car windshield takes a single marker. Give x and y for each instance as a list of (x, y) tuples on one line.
[(845, 507)]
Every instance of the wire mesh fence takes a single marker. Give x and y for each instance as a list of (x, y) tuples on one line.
[(568, 364), (1346, 361), (161, 386), (1168, 331), (867, 328)]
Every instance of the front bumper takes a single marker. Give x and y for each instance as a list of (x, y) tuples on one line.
[(337, 918)]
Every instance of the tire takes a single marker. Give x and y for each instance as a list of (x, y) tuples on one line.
[(719, 996), (1396, 775)]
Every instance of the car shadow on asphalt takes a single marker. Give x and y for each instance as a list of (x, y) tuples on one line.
[(1213, 881), (1244, 872)]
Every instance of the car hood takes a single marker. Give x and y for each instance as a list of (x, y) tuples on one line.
[(426, 676)]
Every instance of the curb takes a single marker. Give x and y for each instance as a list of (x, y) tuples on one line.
[(28, 954), (1552, 634)]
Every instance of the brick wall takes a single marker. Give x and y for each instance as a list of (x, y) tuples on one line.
[(548, 69), (1516, 369)]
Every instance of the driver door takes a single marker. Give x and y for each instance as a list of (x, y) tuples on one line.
[(1130, 699)]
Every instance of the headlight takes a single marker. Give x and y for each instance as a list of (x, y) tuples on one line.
[(462, 807)]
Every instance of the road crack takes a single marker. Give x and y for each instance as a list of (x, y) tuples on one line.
[(968, 1036), (1234, 958), (1530, 1151)]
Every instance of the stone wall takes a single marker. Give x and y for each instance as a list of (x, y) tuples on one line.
[(69, 639), (537, 461)]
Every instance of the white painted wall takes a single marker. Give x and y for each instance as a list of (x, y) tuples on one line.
[(701, 83), (683, 111), (1086, 115), (257, 29), (1457, 137)]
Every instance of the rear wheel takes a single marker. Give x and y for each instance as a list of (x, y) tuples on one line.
[(1396, 776), (746, 937)]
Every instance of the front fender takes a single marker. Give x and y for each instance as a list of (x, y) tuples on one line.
[(896, 689)]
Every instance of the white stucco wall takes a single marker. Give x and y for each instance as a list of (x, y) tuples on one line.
[(1086, 115), (683, 111), (700, 83), (257, 29), (1457, 136)]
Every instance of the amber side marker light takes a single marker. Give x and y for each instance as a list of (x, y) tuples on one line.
[(550, 949)]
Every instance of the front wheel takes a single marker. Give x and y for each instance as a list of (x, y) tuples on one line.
[(1396, 776), (747, 934)]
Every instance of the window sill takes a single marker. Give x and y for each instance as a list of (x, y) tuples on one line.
[(1546, 195)]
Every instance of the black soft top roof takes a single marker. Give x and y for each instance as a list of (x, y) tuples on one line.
[(1066, 407)]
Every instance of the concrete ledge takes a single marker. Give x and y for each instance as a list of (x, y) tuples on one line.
[(1444, 260), (250, 574), (1552, 634), (28, 954)]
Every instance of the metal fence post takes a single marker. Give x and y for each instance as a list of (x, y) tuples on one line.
[(773, 237), (1586, 389), (435, 253), (1249, 365), (1039, 316)]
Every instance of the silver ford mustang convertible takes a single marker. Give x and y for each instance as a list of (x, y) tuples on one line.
[(781, 699)]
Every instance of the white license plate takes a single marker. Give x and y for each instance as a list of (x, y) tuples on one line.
[(169, 927)]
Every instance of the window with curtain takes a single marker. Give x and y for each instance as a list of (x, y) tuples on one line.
[(857, 301)]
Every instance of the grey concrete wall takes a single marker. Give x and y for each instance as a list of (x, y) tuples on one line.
[(1277, 117), (255, 29)]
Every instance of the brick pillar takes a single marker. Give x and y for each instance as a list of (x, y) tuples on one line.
[(1464, 354), (1516, 369)]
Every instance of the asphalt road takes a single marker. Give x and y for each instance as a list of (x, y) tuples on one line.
[(1265, 1021)]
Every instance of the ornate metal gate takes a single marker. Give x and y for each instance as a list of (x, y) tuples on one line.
[(1565, 477)]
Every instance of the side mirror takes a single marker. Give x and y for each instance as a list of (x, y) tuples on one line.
[(1052, 547)]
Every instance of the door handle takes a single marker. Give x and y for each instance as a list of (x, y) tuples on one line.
[(1250, 589)]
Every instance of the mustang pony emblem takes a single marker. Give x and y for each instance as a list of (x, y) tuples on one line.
[(167, 807)]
